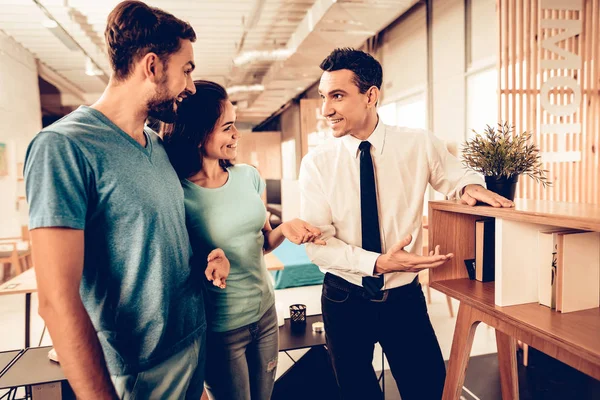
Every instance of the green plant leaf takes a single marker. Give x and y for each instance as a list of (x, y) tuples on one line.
[(499, 152)]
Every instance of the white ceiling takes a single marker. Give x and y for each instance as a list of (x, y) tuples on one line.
[(309, 29)]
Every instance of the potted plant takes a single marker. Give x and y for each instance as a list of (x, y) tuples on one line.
[(501, 157)]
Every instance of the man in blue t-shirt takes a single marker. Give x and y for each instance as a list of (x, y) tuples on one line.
[(111, 250)]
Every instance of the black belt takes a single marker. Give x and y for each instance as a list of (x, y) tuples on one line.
[(342, 284)]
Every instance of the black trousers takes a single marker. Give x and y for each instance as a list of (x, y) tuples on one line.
[(399, 321)]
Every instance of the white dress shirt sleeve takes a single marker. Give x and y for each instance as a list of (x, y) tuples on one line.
[(447, 174), (316, 210)]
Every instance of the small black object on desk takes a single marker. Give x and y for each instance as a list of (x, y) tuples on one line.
[(298, 317)]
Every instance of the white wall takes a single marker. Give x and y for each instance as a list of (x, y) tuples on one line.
[(448, 59), (20, 120), (484, 30), (482, 68), (290, 199), (403, 56), (291, 142)]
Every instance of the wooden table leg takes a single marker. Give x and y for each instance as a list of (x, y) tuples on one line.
[(466, 323), (507, 363), (450, 308)]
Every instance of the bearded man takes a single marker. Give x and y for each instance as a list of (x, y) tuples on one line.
[(110, 246)]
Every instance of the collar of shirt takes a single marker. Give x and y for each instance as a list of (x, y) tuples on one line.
[(377, 140)]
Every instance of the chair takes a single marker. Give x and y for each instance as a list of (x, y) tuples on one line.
[(424, 275), (15, 252)]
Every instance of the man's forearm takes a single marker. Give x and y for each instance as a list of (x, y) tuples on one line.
[(79, 351), (340, 256)]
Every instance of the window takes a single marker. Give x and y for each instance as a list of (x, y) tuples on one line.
[(482, 100), (322, 132), (387, 113), (411, 112), (288, 159)]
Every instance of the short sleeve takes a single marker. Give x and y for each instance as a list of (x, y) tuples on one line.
[(259, 183), (57, 178)]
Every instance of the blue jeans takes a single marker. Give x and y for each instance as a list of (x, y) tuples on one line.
[(242, 362), (179, 377)]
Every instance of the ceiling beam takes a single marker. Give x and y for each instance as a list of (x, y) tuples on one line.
[(65, 86)]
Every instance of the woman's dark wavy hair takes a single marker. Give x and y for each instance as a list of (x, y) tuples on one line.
[(197, 117)]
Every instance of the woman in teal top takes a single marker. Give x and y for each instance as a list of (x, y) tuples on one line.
[(224, 210)]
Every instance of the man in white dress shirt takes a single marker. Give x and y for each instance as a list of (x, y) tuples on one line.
[(365, 191)]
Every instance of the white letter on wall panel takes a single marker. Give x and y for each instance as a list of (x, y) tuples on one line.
[(562, 4), (561, 110), (572, 27)]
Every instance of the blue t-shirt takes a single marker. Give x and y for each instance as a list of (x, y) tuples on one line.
[(84, 172), (231, 217)]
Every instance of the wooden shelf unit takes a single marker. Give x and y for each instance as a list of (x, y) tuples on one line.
[(573, 338)]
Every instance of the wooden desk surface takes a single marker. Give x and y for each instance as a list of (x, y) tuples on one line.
[(273, 263), (23, 283), (543, 212)]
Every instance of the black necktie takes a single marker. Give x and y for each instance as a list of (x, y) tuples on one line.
[(371, 239)]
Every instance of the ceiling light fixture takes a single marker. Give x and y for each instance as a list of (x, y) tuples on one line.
[(61, 34), (245, 88), (348, 31), (91, 69), (267, 55)]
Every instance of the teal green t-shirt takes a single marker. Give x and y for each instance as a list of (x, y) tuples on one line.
[(231, 218), (137, 286)]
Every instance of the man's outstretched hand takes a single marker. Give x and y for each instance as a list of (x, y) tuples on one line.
[(399, 260)]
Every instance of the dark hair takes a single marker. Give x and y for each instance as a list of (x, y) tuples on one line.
[(367, 70), (134, 29), (197, 117)]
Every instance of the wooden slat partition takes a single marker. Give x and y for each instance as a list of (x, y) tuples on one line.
[(575, 163)]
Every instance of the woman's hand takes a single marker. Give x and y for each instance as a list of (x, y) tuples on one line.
[(217, 269), (298, 231)]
